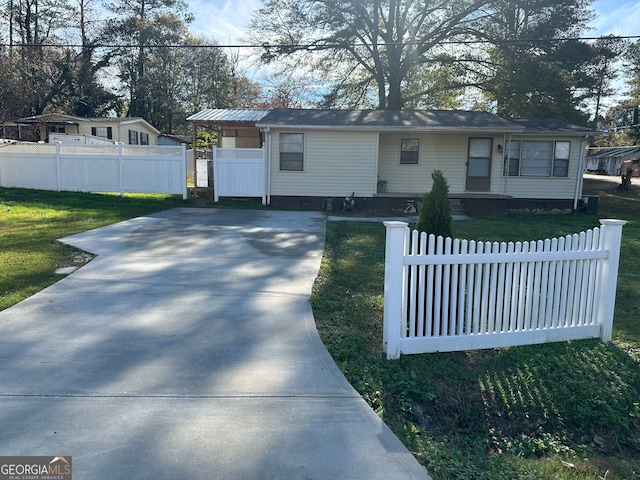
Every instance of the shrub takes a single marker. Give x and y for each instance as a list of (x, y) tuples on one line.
[(435, 212)]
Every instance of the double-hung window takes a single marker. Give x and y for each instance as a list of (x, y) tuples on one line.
[(538, 158), (292, 152), (561, 159), (512, 163), (133, 137), (409, 151)]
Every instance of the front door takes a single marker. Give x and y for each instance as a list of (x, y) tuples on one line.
[(479, 165)]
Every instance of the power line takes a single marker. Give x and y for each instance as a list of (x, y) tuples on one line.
[(322, 46)]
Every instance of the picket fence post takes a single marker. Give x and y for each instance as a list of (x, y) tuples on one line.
[(610, 240), (393, 287)]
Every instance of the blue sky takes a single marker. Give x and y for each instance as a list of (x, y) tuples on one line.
[(225, 20), (616, 17)]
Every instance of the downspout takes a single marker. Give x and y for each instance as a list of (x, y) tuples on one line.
[(268, 143), (504, 162), (583, 145)]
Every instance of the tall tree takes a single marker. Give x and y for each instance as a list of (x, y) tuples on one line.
[(140, 26), (209, 75), (383, 42), (535, 66)]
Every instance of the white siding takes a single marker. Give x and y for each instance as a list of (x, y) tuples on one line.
[(448, 153), (335, 164), (545, 187), (438, 151), (121, 130)]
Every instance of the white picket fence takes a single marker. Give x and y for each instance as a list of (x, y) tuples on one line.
[(95, 168), (466, 295), (239, 172)]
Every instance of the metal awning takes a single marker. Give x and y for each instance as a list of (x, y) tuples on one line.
[(220, 116)]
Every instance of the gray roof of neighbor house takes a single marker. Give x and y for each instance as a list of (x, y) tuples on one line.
[(613, 152), (222, 116), (451, 120), (538, 126)]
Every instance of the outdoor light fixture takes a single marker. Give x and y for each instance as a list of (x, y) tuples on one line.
[(499, 148)]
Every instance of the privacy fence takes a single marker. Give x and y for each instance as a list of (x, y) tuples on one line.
[(95, 168), (239, 172), (449, 294)]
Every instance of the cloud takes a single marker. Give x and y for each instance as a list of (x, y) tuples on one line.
[(225, 20), (616, 18)]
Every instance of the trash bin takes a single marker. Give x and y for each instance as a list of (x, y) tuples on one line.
[(590, 203)]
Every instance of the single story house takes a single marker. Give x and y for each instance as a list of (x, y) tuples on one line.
[(130, 131), (609, 161), (385, 158)]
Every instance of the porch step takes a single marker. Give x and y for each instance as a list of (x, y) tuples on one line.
[(456, 206)]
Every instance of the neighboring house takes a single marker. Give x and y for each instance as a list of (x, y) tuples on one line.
[(492, 164), (609, 161), (173, 140), (130, 131)]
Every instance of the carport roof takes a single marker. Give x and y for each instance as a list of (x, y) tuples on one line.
[(222, 116)]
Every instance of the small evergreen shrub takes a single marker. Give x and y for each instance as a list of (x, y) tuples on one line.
[(435, 212)]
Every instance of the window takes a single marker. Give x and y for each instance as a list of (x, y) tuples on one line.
[(144, 138), (538, 158), (133, 137), (104, 132), (561, 159), (409, 151), (512, 169), (292, 151)]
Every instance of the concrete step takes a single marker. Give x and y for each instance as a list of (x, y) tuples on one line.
[(456, 206)]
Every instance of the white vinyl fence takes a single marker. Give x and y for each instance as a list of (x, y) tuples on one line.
[(239, 172), (466, 295), (94, 168)]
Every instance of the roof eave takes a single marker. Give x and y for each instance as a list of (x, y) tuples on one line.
[(387, 128)]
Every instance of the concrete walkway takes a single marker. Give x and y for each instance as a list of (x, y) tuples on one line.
[(187, 350)]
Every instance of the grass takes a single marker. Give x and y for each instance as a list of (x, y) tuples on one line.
[(566, 410), (31, 221), (558, 411)]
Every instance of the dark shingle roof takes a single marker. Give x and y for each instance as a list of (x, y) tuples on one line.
[(551, 125), (389, 120)]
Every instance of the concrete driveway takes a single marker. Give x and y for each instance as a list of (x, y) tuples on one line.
[(187, 350)]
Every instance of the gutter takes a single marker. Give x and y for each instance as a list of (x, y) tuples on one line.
[(383, 129)]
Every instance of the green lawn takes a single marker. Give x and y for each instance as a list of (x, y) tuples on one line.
[(558, 411), (565, 411), (31, 221)]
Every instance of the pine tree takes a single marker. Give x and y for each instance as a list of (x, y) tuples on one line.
[(435, 212)]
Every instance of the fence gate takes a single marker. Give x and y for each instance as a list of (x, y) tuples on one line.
[(446, 295), (239, 172)]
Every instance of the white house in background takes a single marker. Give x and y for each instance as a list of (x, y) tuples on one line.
[(492, 164), (130, 131), (608, 161)]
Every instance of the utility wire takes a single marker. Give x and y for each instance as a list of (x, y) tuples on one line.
[(321, 46)]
